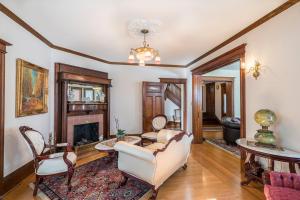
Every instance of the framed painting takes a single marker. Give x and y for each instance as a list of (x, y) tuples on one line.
[(31, 89)]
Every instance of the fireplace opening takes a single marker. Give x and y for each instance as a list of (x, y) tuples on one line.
[(86, 133)]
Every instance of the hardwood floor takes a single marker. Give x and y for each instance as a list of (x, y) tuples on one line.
[(212, 174)]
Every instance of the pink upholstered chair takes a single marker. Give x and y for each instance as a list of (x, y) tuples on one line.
[(282, 186), (46, 164)]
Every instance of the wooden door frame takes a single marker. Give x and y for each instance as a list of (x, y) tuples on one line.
[(184, 82), (220, 79), (3, 45), (236, 54)]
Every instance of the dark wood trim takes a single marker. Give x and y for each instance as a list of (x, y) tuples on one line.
[(184, 82), (22, 23), (222, 79), (173, 80), (220, 61), (30, 29), (3, 45), (15, 177), (249, 28), (217, 79), (83, 78), (65, 73), (236, 54)]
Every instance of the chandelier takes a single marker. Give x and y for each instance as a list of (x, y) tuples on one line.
[(145, 53)]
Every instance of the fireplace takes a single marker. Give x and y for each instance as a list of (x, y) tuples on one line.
[(89, 127), (86, 134)]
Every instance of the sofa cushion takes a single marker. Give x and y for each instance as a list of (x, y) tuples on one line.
[(165, 135), (155, 146), (150, 135), (281, 193)]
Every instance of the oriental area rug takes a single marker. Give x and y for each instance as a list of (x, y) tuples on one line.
[(97, 180)]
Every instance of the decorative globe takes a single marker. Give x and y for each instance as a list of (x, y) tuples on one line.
[(265, 117)]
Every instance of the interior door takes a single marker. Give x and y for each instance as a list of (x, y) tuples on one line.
[(227, 99), (210, 101), (153, 102)]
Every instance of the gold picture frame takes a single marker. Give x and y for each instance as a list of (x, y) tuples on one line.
[(31, 89)]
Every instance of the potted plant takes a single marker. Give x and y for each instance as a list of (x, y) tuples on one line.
[(120, 132)]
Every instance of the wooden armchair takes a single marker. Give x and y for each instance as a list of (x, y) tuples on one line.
[(47, 164)]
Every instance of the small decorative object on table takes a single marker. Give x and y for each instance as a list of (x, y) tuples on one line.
[(265, 137), (120, 133)]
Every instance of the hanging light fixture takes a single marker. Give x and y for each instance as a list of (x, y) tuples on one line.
[(145, 53)]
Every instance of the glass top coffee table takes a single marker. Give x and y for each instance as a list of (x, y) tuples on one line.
[(108, 145)]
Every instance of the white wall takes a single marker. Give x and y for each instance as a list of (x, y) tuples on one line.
[(276, 45), (231, 70), (27, 47), (126, 93)]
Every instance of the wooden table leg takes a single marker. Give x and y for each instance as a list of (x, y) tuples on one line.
[(292, 167)]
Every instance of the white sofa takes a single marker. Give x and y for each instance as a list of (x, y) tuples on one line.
[(155, 163)]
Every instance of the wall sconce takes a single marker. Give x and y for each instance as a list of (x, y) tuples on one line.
[(255, 70)]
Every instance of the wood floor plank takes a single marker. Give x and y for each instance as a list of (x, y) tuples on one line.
[(212, 174)]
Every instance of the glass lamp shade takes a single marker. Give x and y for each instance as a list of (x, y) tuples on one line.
[(145, 53), (142, 63), (157, 60), (131, 58)]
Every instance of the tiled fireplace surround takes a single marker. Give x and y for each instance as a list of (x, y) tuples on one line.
[(83, 119)]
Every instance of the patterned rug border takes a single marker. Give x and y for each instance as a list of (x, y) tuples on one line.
[(43, 196)]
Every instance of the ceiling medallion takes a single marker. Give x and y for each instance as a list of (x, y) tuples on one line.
[(145, 53)]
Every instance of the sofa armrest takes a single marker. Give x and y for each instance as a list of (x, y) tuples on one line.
[(134, 150)]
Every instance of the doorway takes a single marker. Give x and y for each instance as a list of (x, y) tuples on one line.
[(221, 107), (235, 55), (167, 97)]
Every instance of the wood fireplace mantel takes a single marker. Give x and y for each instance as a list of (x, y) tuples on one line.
[(65, 74)]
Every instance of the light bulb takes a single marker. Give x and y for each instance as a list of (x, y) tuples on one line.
[(148, 55), (157, 60)]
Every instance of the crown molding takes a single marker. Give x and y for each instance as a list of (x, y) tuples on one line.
[(30, 29), (249, 28)]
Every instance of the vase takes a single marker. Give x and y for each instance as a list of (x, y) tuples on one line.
[(265, 137)]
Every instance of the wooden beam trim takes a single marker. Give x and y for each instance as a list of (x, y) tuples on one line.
[(222, 60), (249, 28), (173, 80), (254, 25), (30, 29)]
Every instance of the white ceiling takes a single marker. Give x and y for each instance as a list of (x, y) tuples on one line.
[(99, 27)]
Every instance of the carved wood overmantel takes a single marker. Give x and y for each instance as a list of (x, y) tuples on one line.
[(65, 74)]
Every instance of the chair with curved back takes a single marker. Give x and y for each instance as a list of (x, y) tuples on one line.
[(47, 164), (159, 122)]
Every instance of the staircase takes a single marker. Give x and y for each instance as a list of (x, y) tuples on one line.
[(173, 92)]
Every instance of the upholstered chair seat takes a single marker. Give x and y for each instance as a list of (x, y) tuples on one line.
[(159, 122), (46, 164), (55, 164), (282, 186)]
